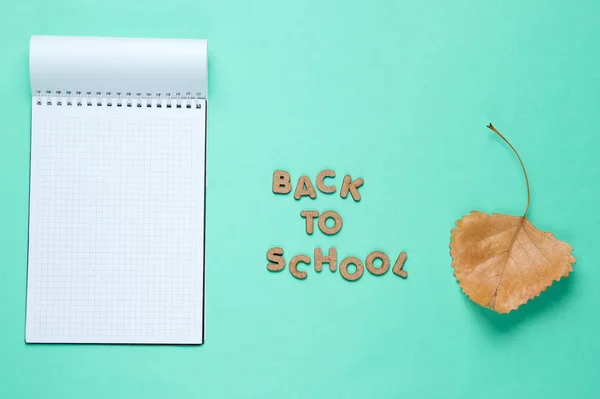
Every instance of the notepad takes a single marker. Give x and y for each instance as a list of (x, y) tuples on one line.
[(117, 191)]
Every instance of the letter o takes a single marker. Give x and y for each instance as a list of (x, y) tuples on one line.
[(344, 268), (385, 263), (337, 222)]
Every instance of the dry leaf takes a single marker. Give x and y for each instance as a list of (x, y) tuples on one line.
[(502, 261)]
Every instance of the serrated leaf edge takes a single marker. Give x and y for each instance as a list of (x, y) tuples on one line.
[(529, 298)]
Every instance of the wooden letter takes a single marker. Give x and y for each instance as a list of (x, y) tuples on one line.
[(344, 268), (281, 182), (275, 255), (385, 263), (337, 222), (353, 186), (294, 262), (321, 185), (398, 265), (310, 220), (331, 258), (304, 188)]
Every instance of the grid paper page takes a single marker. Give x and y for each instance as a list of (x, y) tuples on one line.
[(116, 230)]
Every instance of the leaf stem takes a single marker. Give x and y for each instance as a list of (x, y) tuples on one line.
[(492, 128)]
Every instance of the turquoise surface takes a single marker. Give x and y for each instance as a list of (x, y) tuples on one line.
[(395, 92)]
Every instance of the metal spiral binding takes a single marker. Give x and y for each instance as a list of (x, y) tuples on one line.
[(118, 99)]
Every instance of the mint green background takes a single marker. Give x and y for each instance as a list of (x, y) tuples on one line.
[(398, 92)]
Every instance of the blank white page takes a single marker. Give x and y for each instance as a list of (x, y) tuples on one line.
[(116, 229)]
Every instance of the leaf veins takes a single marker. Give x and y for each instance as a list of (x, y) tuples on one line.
[(502, 261)]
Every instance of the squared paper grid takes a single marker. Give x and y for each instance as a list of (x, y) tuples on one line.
[(116, 225)]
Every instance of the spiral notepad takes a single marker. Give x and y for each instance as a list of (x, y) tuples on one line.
[(117, 191)]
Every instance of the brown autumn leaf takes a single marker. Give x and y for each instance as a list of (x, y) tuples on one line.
[(502, 261)]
